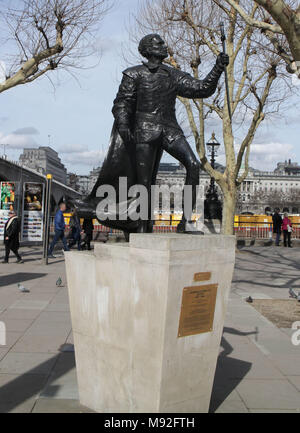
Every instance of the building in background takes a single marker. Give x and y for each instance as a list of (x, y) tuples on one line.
[(44, 160), (288, 168)]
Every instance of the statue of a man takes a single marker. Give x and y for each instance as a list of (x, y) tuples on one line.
[(146, 125)]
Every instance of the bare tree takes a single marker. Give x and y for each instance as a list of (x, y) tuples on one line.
[(44, 35), (273, 199), (191, 30), (279, 20)]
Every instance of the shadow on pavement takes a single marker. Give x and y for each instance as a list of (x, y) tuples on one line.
[(33, 382), (224, 382), (19, 277)]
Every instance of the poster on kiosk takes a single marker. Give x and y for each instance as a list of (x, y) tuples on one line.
[(32, 215), (7, 201)]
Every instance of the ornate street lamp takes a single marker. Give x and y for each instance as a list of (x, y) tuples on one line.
[(212, 204)]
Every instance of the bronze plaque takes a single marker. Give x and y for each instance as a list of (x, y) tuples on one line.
[(202, 276), (197, 310)]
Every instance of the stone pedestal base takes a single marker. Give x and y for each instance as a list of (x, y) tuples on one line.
[(131, 304)]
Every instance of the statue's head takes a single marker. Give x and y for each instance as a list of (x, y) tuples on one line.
[(153, 45)]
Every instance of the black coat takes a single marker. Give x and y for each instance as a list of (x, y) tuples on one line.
[(148, 93), (277, 223), (88, 226), (12, 232)]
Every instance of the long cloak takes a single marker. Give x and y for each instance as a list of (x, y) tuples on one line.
[(120, 162)]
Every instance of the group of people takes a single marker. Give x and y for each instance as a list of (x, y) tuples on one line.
[(82, 236), (282, 225)]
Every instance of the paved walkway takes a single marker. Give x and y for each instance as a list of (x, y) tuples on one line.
[(258, 368)]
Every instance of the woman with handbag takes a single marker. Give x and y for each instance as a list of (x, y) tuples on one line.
[(287, 230)]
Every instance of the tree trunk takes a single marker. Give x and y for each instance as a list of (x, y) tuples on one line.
[(229, 203)]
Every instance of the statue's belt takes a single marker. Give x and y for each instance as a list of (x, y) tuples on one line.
[(158, 119)]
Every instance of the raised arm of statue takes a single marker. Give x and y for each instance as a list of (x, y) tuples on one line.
[(189, 87)]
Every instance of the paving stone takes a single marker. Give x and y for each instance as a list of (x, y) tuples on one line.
[(17, 325), (11, 339), (58, 307), (62, 386), (17, 389), (46, 329), (295, 380), (29, 305), (19, 314), (3, 352), (232, 406), (51, 317), (268, 394), (25, 407), (39, 344), (289, 365), (248, 364), (274, 410), (48, 405), (29, 363)]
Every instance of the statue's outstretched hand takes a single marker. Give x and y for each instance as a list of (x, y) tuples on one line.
[(125, 133), (222, 60)]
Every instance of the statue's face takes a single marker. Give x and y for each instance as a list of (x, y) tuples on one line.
[(158, 48)]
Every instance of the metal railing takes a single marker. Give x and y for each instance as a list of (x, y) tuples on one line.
[(255, 230), (262, 230)]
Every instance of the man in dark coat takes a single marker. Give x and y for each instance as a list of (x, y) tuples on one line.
[(11, 237), (75, 235), (146, 125), (88, 229), (277, 223)]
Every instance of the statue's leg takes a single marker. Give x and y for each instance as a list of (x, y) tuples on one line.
[(182, 151), (146, 155)]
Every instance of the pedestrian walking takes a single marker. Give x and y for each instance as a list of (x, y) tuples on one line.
[(88, 229), (287, 230), (59, 228), (277, 223), (11, 237), (75, 236)]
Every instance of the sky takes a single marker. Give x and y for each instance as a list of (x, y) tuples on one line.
[(75, 118)]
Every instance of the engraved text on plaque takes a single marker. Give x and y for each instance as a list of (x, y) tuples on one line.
[(197, 310)]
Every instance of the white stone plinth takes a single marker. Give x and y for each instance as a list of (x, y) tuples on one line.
[(125, 302)]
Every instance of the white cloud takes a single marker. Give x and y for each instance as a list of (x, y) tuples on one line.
[(91, 158), (17, 141), (71, 148), (265, 156), (28, 130)]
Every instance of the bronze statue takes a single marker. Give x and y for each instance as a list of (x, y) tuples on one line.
[(145, 125)]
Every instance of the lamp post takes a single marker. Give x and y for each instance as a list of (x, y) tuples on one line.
[(4, 150), (212, 204)]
